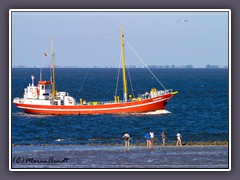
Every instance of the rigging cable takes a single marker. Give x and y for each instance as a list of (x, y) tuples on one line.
[(144, 64), (82, 82), (118, 74), (89, 38), (130, 82)]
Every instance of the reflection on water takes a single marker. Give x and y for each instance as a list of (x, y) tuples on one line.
[(22, 114)]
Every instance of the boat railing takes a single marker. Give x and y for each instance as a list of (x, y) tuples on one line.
[(18, 100), (155, 94), (162, 92), (140, 97), (90, 103)]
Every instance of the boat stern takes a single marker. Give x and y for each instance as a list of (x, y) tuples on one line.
[(18, 101)]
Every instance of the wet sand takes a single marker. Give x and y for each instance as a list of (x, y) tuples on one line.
[(119, 157)]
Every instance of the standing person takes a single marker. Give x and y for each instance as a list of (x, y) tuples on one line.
[(179, 141), (148, 139), (131, 141), (126, 137), (151, 137), (164, 136)]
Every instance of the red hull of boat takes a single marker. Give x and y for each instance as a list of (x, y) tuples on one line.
[(148, 105)]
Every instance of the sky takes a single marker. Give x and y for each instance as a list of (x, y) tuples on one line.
[(93, 38)]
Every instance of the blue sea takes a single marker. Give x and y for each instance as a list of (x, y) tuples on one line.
[(200, 109)]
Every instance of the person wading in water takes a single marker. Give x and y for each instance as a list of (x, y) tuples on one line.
[(126, 137)]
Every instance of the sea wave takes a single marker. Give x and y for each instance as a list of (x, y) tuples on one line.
[(22, 114)]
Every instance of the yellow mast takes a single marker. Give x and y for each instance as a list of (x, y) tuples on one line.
[(53, 70), (123, 67)]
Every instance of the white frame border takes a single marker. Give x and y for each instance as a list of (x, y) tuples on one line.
[(118, 10)]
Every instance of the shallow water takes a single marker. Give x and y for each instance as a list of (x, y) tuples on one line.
[(102, 157)]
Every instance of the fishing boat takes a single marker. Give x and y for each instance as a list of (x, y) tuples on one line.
[(44, 99)]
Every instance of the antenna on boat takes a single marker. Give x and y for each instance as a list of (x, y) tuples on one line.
[(32, 80), (53, 70), (123, 66)]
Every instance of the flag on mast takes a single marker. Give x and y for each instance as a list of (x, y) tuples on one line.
[(45, 54)]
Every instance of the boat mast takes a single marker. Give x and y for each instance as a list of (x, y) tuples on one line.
[(53, 70), (123, 67), (40, 74)]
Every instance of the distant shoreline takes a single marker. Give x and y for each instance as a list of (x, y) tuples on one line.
[(208, 143)]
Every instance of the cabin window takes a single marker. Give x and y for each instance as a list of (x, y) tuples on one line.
[(48, 87), (42, 87)]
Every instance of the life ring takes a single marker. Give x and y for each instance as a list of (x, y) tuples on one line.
[(34, 94), (70, 101)]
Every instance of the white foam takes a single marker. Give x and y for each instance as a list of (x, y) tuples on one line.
[(162, 111), (30, 115)]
